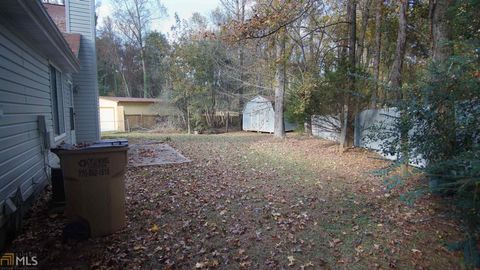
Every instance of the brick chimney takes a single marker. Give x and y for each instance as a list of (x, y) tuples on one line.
[(57, 13)]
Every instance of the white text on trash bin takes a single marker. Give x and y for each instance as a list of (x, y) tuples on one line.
[(93, 167)]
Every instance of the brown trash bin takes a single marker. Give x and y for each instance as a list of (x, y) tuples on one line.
[(94, 184)]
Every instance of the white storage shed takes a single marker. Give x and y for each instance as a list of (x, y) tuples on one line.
[(259, 115)]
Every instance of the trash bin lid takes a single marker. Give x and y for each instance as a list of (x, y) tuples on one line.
[(113, 143), (110, 142)]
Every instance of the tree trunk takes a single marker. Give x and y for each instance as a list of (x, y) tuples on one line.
[(441, 30), (115, 85), (240, 89), (228, 122), (308, 125), (279, 125), (240, 4), (363, 30), (312, 67), (378, 47), (396, 71), (145, 77), (396, 84), (212, 108), (189, 130), (127, 90), (348, 130), (118, 66), (441, 51)]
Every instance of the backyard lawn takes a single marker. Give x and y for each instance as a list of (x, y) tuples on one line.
[(248, 201)]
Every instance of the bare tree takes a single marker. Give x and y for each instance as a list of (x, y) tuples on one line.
[(442, 49), (441, 30), (378, 47), (109, 52), (396, 71), (270, 21), (347, 136), (133, 19), (365, 11), (240, 10), (280, 79), (236, 8), (396, 82)]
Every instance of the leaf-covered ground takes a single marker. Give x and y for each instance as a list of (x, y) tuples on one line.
[(247, 201)]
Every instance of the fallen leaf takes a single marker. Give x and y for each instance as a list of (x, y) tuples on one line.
[(154, 228), (291, 260), (138, 247), (334, 242), (304, 266), (199, 265)]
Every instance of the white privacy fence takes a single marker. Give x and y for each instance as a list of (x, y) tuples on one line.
[(368, 126), (370, 123), (326, 127)]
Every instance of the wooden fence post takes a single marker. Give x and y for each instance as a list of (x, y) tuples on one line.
[(228, 120)]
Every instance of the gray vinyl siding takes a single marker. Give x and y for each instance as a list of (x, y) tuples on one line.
[(80, 14), (25, 94)]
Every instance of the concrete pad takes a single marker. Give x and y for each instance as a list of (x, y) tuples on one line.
[(149, 154)]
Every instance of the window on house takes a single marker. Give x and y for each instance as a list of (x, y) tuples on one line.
[(58, 111), (71, 110)]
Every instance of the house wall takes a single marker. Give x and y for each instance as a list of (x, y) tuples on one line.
[(107, 103), (139, 108), (121, 125), (25, 94), (131, 115), (81, 20), (119, 117), (164, 108)]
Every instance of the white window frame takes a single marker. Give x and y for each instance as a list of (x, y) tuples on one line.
[(58, 104), (54, 2)]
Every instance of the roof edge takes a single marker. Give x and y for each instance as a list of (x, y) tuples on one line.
[(130, 99), (52, 43), (57, 36)]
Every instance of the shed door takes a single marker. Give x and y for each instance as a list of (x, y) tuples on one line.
[(107, 119)]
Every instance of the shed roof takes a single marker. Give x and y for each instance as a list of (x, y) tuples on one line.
[(259, 99), (131, 99), (269, 98)]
